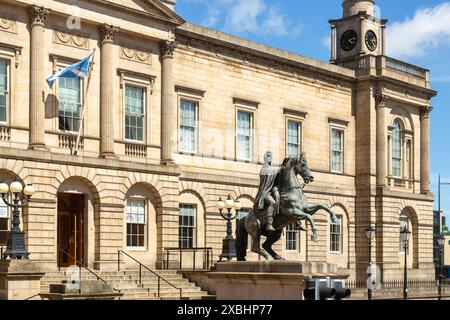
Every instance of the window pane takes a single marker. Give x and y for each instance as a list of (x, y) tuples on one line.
[(3, 89), (244, 135), (136, 223), (293, 138), (186, 229), (336, 150), (335, 235), (292, 237), (397, 149), (134, 113), (188, 125), (69, 98)]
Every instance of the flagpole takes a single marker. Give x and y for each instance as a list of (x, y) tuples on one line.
[(83, 107)]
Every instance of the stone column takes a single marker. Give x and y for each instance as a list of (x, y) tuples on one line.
[(107, 101), (362, 42), (333, 44), (37, 77), (383, 40), (168, 104), (425, 149), (381, 140)]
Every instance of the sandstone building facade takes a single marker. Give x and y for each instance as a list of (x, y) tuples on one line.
[(176, 115)]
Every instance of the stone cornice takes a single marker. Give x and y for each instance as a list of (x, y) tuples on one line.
[(84, 161), (167, 15), (260, 54)]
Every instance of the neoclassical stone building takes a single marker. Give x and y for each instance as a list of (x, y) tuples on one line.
[(177, 115)]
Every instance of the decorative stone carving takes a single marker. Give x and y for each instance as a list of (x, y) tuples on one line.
[(38, 14), (71, 40), (8, 25), (381, 99), (425, 111), (135, 55), (167, 48), (108, 32)]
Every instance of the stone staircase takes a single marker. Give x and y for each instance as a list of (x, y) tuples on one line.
[(128, 283)]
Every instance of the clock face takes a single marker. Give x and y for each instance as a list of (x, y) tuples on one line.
[(349, 40), (371, 40)]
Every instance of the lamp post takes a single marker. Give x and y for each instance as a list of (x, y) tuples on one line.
[(229, 243), (16, 238), (370, 234), (405, 234), (441, 242)]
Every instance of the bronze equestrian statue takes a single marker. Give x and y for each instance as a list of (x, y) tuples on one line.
[(280, 201)]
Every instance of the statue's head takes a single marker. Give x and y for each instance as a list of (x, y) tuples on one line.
[(301, 168), (268, 158)]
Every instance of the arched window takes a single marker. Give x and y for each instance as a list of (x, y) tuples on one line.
[(397, 149)]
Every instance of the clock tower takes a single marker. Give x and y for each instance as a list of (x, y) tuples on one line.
[(357, 33)]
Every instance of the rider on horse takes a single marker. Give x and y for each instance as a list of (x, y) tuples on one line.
[(268, 197)]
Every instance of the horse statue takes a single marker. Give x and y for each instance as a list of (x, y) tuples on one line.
[(293, 207)]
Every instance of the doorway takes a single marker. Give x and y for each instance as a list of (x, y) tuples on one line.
[(71, 229)]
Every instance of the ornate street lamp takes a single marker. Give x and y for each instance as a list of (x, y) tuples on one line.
[(441, 242), (405, 234), (229, 243), (16, 238), (370, 234)]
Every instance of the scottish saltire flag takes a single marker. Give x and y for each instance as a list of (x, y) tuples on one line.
[(79, 69)]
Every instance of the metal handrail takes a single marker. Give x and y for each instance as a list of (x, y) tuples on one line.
[(79, 264), (207, 250), (148, 269)]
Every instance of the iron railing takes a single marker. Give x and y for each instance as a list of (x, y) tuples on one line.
[(80, 265), (396, 283), (206, 263), (148, 269)]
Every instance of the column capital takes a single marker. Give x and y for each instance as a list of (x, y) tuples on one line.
[(37, 14), (167, 48), (381, 99), (425, 111), (108, 32)]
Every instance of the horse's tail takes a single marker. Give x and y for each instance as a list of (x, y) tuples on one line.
[(241, 240)]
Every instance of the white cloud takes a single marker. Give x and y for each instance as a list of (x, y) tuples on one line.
[(248, 16), (427, 30)]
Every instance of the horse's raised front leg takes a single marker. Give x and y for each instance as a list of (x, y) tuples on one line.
[(300, 215), (271, 239), (257, 249), (313, 208)]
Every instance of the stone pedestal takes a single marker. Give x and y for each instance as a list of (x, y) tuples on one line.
[(268, 280), (19, 279), (81, 290)]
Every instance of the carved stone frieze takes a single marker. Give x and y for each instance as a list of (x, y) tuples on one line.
[(135, 55), (8, 25), (71, 40)]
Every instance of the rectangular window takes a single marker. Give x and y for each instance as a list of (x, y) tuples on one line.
[(337, 150), (188, 125), (292, 237), (4, 90), (134, 113), (408, 159), (69, 97), (293, 138), (186, 227), (136, 223), (336, 235), (403, 226), (244, 135)]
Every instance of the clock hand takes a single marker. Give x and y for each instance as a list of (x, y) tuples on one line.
[(352, 40)]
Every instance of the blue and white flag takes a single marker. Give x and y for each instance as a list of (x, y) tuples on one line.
[(79, 69)]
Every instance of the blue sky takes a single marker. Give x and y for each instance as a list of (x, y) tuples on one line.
[(419, 33)]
